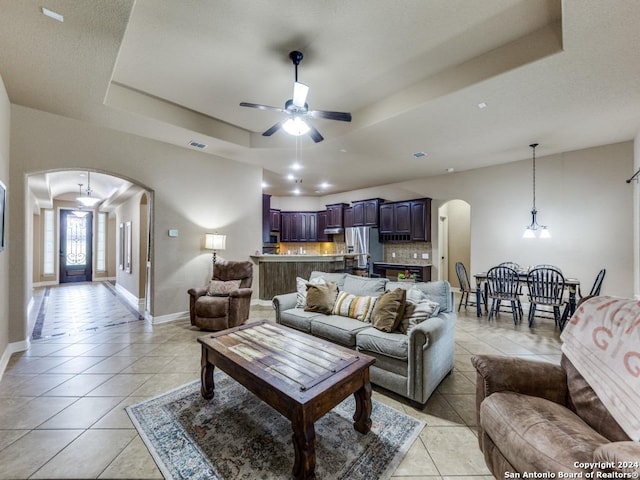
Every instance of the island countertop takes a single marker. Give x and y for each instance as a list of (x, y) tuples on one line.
[(328, 257)]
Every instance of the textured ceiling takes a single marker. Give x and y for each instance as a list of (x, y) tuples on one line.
[(412, 73)]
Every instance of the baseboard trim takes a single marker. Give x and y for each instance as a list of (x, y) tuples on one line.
[(10, 350), (49, 283), (129, 297), (172, 317), (262, 303)]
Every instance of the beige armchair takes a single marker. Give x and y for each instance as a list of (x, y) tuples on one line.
[(211, 311)]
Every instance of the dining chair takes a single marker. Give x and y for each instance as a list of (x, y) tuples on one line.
[(548, 265), (514, 265), (597, 285), (503, 285), (546, 288), (465, 286)]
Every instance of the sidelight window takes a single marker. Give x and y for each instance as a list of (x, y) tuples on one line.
[(49, 241), (101, 243)]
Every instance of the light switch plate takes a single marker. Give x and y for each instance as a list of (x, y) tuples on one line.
[(173, 233), (425, 256)]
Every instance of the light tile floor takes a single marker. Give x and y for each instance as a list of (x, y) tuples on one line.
[(62, 402)]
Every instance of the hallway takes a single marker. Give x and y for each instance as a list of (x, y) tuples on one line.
[(62, 402)]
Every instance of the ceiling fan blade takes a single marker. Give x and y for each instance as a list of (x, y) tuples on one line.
[(274, 129), (341, 116), (300, 91), (262, 107), (315, 134)]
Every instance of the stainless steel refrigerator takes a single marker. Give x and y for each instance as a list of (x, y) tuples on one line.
[(364, 242)]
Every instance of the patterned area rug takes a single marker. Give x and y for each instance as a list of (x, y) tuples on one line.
[(237, 436)]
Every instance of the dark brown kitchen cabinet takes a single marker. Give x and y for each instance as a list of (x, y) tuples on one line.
[(386, 219), (407, 221), (322, 224), (335, 215), (348, 217), (365, 212), (274, 220), (266, 226), (421, 220), (298, 227)]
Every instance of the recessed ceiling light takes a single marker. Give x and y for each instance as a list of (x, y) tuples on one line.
[(450, 170), (482, 105), (264, 185), (296, 166), (419, 154), (52, 14), (324, 185), (296, 191), (343, 150), (290, 177)]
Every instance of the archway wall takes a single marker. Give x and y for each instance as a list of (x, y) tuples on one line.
[(581, 195), (193, 193)]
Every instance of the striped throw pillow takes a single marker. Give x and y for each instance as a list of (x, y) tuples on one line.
[(353, 306)]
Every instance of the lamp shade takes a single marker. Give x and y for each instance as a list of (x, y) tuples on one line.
[(215, 241), (295, 126), (88, 201)]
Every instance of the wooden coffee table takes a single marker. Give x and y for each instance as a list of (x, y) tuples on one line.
[(300, 376)]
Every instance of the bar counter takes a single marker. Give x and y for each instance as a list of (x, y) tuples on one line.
[(278, 272)]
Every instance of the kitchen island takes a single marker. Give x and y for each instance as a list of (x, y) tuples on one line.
[(278, 272)]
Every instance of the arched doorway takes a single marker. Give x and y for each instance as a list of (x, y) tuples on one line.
[(454, 238), (55, 196)]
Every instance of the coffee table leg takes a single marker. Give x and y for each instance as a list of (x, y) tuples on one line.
[(304, 445), (206, 376), (362, 417)]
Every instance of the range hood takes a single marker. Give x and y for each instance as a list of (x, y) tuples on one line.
[(333, 231)]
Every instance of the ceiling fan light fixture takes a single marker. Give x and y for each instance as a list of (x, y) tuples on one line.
[(296, 127)]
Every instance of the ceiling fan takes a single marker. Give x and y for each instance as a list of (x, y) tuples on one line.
[(297, 110)]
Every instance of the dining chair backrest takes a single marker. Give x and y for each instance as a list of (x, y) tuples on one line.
[(597, 285), (548, 265), (503, 282), (463, 277), (546, 285), (514, 265)]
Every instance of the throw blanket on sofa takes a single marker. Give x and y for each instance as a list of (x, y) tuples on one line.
[(602, 340)]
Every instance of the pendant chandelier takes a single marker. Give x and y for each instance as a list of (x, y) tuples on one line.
[(534, 230), (88, 200), (79, 212)]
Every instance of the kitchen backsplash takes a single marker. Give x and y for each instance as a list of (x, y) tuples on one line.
[(405, 253)]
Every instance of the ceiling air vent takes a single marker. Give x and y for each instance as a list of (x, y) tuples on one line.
[(199, 145), (419, 154)]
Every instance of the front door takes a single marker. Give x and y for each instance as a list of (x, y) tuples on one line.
[(76, 235)]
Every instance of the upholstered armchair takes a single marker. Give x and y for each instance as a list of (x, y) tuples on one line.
[(225, 301)]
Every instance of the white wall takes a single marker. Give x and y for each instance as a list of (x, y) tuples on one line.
[(193, 193), (5, 109), (581, 195)]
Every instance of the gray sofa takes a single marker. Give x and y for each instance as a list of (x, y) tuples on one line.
[(411, 365)]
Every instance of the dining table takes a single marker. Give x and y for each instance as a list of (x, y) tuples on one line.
[(482, 290)]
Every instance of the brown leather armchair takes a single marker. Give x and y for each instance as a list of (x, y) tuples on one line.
[(221, 312)]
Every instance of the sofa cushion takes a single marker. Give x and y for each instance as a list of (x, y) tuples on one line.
[(415, 313), (341, 330), (321, 297), (392, 344), (297, 318), (439, 292), (337, 278), (388, 310), (537, 435), (364, 286), (212, 306), (219, 288), (301, 289), (353, 306), (589, 407)]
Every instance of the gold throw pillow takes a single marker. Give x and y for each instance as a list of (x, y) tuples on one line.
[(321, 297)]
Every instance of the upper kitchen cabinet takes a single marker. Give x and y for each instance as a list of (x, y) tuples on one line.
[(322, 224), (366, 212), (348, 217), (274, 220), (298, 227), (408, 221), (266, 221), (335, 215)]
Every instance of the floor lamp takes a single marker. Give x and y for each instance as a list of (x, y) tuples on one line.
[(214, 241)]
